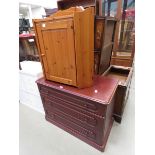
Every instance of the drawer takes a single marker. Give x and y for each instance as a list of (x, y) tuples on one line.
[(63, 119), (74, 102), (79, 117)]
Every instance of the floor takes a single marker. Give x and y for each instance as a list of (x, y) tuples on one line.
[(39, 137)]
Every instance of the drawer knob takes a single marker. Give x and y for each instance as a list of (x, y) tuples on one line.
[(85, 105)]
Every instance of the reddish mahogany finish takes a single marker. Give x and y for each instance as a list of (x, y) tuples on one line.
[(85, 113)]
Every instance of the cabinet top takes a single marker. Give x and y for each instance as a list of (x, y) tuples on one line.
[(102, 91)]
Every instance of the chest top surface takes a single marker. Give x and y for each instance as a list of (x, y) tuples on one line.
[(102, 91)]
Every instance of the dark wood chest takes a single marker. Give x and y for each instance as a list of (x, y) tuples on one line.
[(85, 113), (124, 75), (103, 42)]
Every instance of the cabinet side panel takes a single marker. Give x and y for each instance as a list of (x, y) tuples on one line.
[(84, 47), (109, 118), (38, 46)]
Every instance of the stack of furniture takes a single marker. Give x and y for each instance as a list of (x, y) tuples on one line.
[(105, 42), (74, 44), (104, 28)]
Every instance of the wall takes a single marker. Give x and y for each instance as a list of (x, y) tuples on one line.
[(45, 3), (36, 8), (38, 12)]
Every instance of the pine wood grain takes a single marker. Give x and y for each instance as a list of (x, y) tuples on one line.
[(66, 43)]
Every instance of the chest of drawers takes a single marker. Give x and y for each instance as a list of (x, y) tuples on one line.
[(85, 113)]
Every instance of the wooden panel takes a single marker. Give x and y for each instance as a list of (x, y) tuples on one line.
[(41, 48), (99, 30), (121, 62), (96, 61), (55, 48), (59, 46), (65, 4), (57, 25), (109, 31), (105, 58), (84, 45), (104, 32)]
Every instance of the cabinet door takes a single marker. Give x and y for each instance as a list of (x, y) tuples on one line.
[(56, 41)]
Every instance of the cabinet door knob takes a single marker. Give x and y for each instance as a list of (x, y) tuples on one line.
[(42, 55)]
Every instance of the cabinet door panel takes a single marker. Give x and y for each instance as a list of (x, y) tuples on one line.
[(58, 40)]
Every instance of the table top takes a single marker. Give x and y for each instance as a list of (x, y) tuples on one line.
[(26, 35), (31, 68), (102, 91)]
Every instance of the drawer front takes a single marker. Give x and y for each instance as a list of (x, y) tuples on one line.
[(88, 121), (75, 102), (75, 125)]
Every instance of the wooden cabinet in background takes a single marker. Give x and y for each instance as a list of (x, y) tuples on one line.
[(96, 4), (103, 42), (66, 43), (124, 41)]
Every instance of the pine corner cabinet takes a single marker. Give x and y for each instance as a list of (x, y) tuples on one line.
[(65, 42)]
